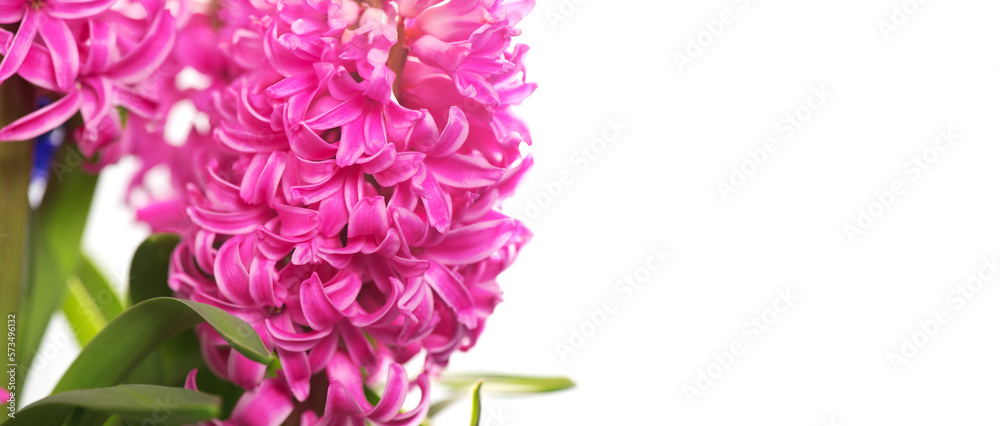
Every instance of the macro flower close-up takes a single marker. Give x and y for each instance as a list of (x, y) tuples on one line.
[(337, 187), (498, 212)]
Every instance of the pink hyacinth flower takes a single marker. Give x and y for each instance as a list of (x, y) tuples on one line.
[(46, 18)]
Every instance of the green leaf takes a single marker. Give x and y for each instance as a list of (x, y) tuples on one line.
[(81, 311), (498, 383), (117, 349), (90, 301), (58, 229), (476, 403), (150, 266), (170, 363), (141, 404), (100, 290)]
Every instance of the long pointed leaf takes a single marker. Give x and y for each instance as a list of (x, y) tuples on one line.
[(100, 290), (499, 383), (148, 272), (112, 354), (60, 220), (141, 404), (82, 311)]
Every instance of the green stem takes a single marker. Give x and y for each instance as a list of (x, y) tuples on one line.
[(15, 175), (60, 221)]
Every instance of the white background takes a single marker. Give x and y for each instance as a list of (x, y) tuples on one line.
[(824, 361)]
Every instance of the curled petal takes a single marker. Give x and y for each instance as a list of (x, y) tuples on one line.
[(231, 274), (20, 44), (339, 115), (77, 9), (295, 368), (62, 47), (268, 405), (295, 341), (403, 168), (148, 54), (450, 288), (473, 243), (262, 289), (463, 171), (239, 222), (308, 145), (393, 395), (454, 134), (437, 204), (316, 306), (261, 180), (44, 119), (368, 218), (297, 220), (244, 372)]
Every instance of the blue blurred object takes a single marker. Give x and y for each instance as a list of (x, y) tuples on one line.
[(45, 145)]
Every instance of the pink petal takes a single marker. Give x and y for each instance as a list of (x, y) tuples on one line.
[(291, 85), (148, 54), (268, 405), (262, 282), (358, 347), (417, 415), (473, 243), (295, 341), (316, 306), (352, 143), (378, 161), (271, 245), (368, 218), (242, 141), (76, 9), (340, 403), (403, 168), (463, 171), (102, 43), (295, 367), (20, 44), (359, 317), (344, 290), (393, 396), (308, 145), (43, 120), (244, 372), (297, 220), (231, 223), (230, 274), (314, 171), (453, 136), (190, 382), (375, 137), (450, 288), (11, 11), (96, 102), (37, 67), (260, 182), (339, 115), (436, 203), (62, 47), (334, 214), (321, 354)]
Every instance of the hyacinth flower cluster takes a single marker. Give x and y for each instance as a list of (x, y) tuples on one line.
[(340, 192)]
